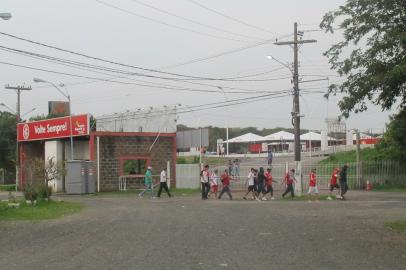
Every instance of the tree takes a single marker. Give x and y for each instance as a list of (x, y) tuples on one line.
[(375, 70), (393, 145), (46, 172), (8, 142)]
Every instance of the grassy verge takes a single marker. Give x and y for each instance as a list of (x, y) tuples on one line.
[(388, 189), (43, 210), (396, 225), (206, 160), (7, 187), (350, 156)]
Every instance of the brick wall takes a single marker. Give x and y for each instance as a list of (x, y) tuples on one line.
[(112, 148)]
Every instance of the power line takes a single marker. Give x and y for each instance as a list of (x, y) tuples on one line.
[(165, 23), (127, 83), (205, 58), (81, 65), (132, 66), (193, 21), (230, 18)]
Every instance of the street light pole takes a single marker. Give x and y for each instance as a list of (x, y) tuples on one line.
[(225, 99), (67, 96)]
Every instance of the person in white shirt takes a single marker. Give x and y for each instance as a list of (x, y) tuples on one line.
[(163, 184), (250, 183), (214, 183)]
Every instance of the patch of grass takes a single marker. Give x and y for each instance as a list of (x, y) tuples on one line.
[(399, 225), (206, 160), (351, 156), (388, 188), (7, 187), (43, 210)]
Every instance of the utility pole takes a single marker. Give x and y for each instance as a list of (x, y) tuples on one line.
[(18, 90), (296, 108)]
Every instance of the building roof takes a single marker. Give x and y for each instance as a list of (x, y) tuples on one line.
[(249, 137), (280, 136)]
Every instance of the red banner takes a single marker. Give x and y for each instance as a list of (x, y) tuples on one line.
[(53, 128)]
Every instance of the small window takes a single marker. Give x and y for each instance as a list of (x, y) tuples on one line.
[(135, 166)]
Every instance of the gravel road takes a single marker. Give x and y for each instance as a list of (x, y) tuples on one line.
[(125, 232)]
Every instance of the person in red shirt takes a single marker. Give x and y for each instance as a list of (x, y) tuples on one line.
[(334, 184), (268, 183), (289, 179), (313, 190), (225, 180)]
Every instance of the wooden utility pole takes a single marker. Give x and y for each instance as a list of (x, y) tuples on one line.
[(296, 108), (18, 90)]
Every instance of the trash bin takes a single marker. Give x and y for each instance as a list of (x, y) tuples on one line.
[(79, 177)]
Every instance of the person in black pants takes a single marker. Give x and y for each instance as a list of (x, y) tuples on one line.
[(163, 184), (289, 179), (343, 181), (261, 184), (204, 179)]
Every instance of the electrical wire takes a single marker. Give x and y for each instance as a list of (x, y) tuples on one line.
[(193, 21), (81, 65), (230, 18), (165, 23), (131, 66)]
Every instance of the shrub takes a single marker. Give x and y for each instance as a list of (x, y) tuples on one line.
[(181, 160), (7, 187), (30, 193), (44, 192)]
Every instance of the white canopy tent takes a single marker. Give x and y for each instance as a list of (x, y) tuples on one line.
[(280, 136), (310, 136), (313, 136), (246, 138)]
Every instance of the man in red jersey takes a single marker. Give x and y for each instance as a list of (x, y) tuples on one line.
[(333, 183), (289, 179), (313, 190), (268, 182), (225, 179)]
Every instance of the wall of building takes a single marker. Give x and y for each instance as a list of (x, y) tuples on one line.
[(116, 146)]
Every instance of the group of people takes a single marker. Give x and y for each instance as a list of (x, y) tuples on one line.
[(149, 185), (259, 183), (210, 182)]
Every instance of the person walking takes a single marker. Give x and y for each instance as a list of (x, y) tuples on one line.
[(214, 181), (250, 184), (225, 180), (313, 190), (343, 182), (148, 183), (289, 179), (268, 182), (270, 157), (204, 179), (334, 184), (163, 184), (261, 184)]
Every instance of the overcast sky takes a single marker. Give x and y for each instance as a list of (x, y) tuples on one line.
[(162, 41)]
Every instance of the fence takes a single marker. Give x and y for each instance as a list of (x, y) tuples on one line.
[(382, 173)]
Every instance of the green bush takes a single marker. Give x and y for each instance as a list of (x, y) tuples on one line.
[(181, 160), (30, 193), (7, 187), (44, 192)]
